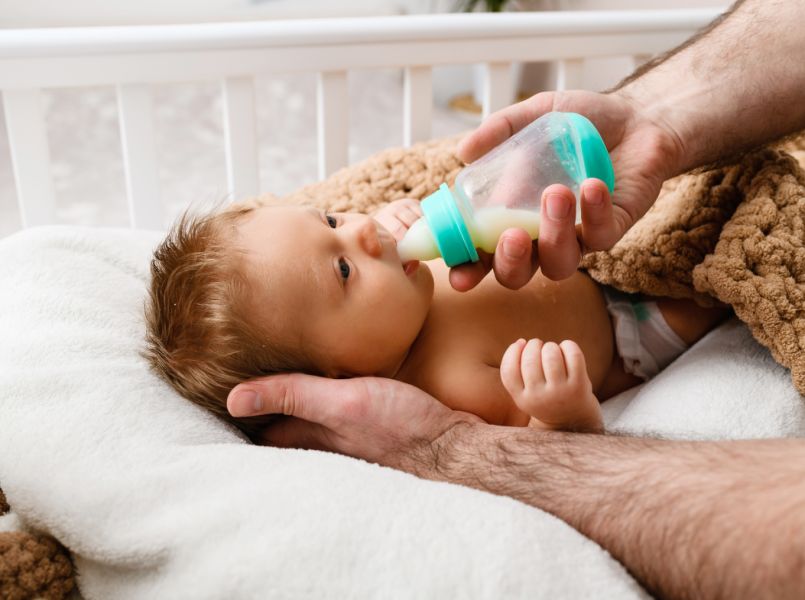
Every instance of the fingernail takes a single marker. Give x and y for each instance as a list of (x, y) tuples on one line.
[(245, 403), (593, 196), (512, 249), (556, 207)]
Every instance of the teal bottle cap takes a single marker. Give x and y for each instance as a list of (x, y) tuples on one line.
[(591, 150), (446, 222)]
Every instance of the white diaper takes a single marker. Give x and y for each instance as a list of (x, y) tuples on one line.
[(644, 340)]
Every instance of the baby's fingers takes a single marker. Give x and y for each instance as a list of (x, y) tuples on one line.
[(397, 228), (553, 363), (531, 364), (510, 368), (408, 215), (574, 361), (414, 205)]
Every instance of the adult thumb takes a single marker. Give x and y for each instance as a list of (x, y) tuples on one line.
[(294, 394)]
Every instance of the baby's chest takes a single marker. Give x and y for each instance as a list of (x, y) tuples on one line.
[(486, 320), (477, 327)]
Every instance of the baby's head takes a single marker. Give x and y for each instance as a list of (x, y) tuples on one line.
[(256, 290)]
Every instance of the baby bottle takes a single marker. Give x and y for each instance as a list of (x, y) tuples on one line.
[(503, 188)]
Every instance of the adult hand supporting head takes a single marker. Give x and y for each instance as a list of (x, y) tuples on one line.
[(376, 419), (645, 152)]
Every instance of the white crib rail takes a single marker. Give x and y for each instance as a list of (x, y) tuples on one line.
[(131, 58)]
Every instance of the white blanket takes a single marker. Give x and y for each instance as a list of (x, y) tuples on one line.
[(156, 498)]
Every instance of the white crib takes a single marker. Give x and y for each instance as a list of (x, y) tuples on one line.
[(133, 58)]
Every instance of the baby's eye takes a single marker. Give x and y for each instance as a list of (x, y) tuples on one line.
[(331, 221), (342, 264)]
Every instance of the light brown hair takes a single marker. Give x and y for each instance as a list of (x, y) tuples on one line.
[(199, 337)]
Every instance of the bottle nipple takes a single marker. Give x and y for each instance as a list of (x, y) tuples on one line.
[(418, 243)]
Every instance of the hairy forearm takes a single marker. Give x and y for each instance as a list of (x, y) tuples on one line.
[(688, 519), (738, 84)]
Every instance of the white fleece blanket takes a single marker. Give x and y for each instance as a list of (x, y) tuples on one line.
[(157, 499)]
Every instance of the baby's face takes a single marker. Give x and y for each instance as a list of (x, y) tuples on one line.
[(332, 284)]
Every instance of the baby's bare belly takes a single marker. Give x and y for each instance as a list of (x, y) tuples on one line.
[(486, 320)]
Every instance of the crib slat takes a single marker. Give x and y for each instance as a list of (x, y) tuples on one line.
[(333, 123), (417, 105), (240, 134), (570, 74), (139, 155), (497, 86), (30, 156)]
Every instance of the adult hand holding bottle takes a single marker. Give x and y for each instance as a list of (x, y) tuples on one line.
[(735, 85), (645, 152)]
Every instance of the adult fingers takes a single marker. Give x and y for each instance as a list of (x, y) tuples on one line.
[(515, 260), (501, 125), (467, 276), (307, 397), (291, 432), (559, 251), (599, 230)]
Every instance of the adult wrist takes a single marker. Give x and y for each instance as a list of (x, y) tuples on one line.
[(439, 459), (656, 117)]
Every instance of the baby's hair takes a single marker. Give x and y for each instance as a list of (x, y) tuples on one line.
[(198, 334)]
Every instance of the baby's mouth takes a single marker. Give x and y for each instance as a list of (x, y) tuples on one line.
[(410, 266)]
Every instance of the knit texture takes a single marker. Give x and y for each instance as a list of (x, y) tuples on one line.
[(33, 566), (389, 175), (758, 265)]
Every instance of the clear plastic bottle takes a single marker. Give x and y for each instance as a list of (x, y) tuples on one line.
[(503, 188)]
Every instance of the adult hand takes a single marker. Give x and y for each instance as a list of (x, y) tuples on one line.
[(645, 152), (376, 419)]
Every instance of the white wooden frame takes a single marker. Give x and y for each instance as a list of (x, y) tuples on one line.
[(131, 58)]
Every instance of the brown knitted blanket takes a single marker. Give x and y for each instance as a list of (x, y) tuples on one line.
[(33, 565), (732, 233)]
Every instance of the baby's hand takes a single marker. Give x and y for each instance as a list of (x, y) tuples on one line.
[(549, 382), (398, 216)]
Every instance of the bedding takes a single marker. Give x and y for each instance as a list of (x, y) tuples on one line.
[(154, 497)]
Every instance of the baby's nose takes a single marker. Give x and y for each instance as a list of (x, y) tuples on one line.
[(368, 238)]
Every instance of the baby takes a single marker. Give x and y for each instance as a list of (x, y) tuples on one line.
[(255, 290)]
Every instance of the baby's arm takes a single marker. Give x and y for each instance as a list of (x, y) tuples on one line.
[(549, 382), (398, 216)]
